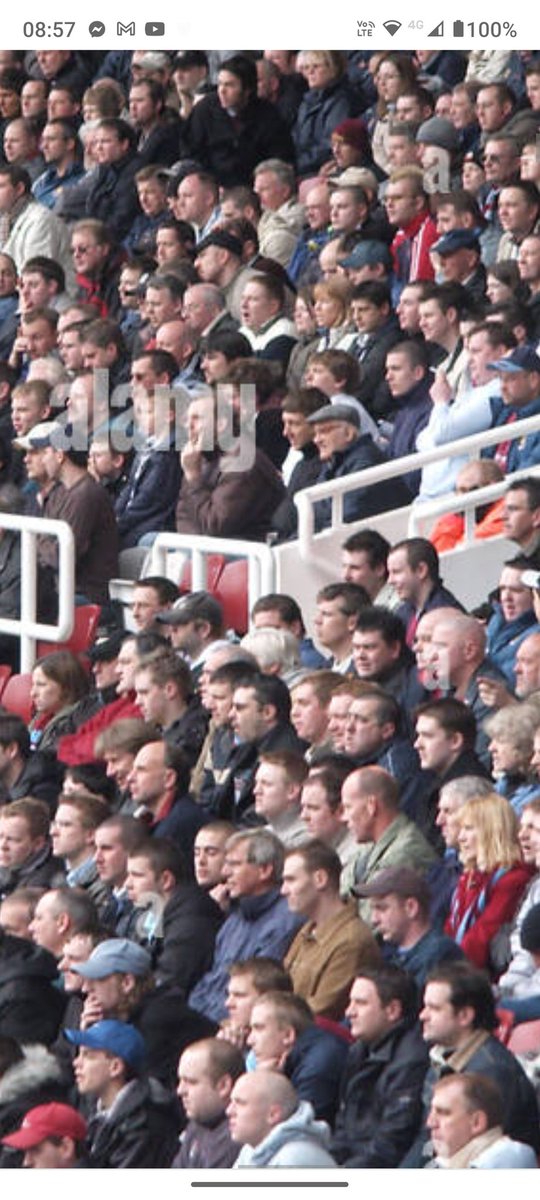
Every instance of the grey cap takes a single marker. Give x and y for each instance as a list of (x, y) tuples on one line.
[(438, 131), (335, 412), (116, 955), (196, 606)]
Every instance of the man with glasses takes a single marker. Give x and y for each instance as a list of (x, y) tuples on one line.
[(501, 168)]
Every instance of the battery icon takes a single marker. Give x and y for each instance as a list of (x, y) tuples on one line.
[(459, 29)]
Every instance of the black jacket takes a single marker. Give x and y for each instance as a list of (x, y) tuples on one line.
[(42, 869), (185, 951), (305, 473), (41, 777), (38, 1078), (381, 1099), (230, 148), (168, 1026), (31, 1006), (113, 195), (232, 798), (140, 1130)]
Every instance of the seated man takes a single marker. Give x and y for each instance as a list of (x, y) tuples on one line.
[(209, 860), (400, 902), (229, 488), (335, 943), (284, 1037), (322, 808), (279, 611), (344, 450), (166, 698), (51, 1136), (311, 697), (273, 1129), (462, 668), (445, 741), (249, 979), (207, 1072), (73, 834), (513, 620), (259, 921), (373, 737), (338, 608), (159, 788), (142, 1120), (195, 627), (466, 1126), (381, 657), (177, 922), (381, 1094), (413, 571), (269, 332), (152, 595)]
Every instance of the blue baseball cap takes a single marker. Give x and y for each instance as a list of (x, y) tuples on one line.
[(523, 358), (117, 955), (367, 254), (457, 239), (116, 1037)]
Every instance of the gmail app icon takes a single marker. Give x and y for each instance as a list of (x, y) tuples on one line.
[(129, 28)]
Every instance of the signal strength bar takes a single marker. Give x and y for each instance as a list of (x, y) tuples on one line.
[(438, 31)]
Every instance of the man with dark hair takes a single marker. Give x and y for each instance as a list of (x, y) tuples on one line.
[(260, 718), (279, 611), (60, 149), (381, 656), (23, 773), (377, 331), (152, 594), (409, 380), (459, 1021), (338, 608), (334, 944), (158, 130), (112, 196), (195, 627), (42, 284), (381, 1092), (374, 737), (271, 334), (400, 916), (85, 506), (231, 130), (115, 839), (521, 517), (33, 229), (295, 410), (413, 570), (219, 261), (364, 560)]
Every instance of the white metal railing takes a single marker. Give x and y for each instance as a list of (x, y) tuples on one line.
[(422, 516), (260, 559), (26, 627), (335, 489)]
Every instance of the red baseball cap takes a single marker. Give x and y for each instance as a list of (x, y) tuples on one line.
[(45, 1121)]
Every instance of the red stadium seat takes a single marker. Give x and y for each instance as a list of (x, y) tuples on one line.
[(5, 673), (215, 564), (232, 592), (525, 1037), (16, 696), (86, 621), (505, 1026)]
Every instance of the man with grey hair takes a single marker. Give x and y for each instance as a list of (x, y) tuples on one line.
[(282, 217), (273, 1128), (277, 652), (259, 921), (205, 310)]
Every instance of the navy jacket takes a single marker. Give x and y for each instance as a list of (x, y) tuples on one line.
[(315, 1066), (413, 413), (148, 501), (113, 196), (433, 948), (363, 501), (321, 109), (231, 147)]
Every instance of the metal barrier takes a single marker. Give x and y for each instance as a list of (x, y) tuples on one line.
[(422, 516), (261, 566), (336, 489), (27, 628)]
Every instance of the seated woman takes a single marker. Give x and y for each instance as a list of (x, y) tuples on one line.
[(59, 681), (511, 732), (493, 880)]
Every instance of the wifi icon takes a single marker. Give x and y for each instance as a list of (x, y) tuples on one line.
[(392, 27)]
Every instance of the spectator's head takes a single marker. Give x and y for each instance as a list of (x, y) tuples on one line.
[(253, 863), (406, 367), (17, 911), (310, 701), (51, 1137), (458, 998), (155, 868), (511, 733), (207, 1072), (115, 139), (338, 608), (118, 744), (494, 105), (278, 784), (160, 771), (110, 1054), (116, 975), (115, 839), (311, 874), (151, 596), (274, 183), (74, 825), (413, 569), (237, 83), (444, 730), (249, 979), (370, 798), (164, 687), (487, 837), (209, 853), (458, 646), (263, 299), (258, 706), (59, 914), (452, 796), (277, 1021), (399, 903), (259, 1102), (463, 1108), (521, 512), (373, 721), (527, 666), (364, 561), (193, 623), (24, 829), (378, 643), (405, 197), (380, 999), (58, 680)]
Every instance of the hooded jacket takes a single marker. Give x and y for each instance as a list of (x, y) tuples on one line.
[(300, 1141)]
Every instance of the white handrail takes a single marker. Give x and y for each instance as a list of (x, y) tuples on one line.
[(335, 489), (27, 628), (261, 564), (463, 502)]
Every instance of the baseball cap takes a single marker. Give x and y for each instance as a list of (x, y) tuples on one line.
[(196, 606), (360, 177), (45, 1121), (107, 648), (531, 579), (457, 239), (367, 254), (221, 237), (523, 358), (115, 955), (116, 1037), (335, 412), (401, 881), (40, 436)]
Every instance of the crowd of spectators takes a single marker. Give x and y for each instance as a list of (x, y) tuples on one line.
[(271, 901)]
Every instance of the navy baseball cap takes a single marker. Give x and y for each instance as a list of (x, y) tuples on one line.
[(457, 239), (523, 358), (367, 254), (115, 1037)]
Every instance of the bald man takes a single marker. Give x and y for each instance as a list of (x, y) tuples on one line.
[(273, 1128), (459, 662)]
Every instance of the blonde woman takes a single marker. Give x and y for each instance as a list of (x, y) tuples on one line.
[(493, 880), (331, 300)]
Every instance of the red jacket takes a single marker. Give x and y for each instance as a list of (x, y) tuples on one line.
[(78, 747), (410, 249), (482, 903)]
